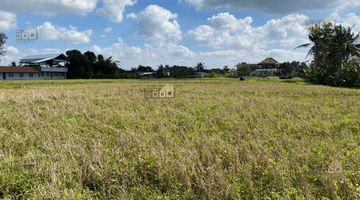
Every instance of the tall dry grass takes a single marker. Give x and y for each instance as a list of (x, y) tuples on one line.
[(218, 139)]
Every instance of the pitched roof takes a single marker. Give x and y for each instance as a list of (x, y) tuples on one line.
[(44, 57), (18, 69), (269, 61)]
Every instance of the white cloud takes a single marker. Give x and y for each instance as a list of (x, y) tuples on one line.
[(351, 20), (225, 31), (49, 7), (47, 31), (131, 15), (108, 29), (7, 20), (276, 7), (113, 9), (286, 31), (155, 25), (103, 36), (120, 40)]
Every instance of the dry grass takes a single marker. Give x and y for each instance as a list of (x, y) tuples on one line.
[(218, 139)]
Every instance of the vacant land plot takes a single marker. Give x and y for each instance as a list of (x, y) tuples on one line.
[(217, 139)]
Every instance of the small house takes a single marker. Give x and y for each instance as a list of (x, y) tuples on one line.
[(147, 74), (199, 74)]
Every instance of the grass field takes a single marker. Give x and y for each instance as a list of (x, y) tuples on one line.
[(217, 139)]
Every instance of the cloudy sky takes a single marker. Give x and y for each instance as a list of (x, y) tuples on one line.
[(181, 32)]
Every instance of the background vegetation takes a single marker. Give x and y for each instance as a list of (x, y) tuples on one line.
[(333, 49), (217, 139)]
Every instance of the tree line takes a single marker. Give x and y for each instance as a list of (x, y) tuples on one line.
[(88, 66)]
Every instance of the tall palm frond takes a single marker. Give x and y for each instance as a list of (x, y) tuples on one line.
[(341, 46)]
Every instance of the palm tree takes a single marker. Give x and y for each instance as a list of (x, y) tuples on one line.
[(316, 36), (341, 46)]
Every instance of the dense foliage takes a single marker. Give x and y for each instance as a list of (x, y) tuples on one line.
[(3, 39), (88, 66), (333, 49)]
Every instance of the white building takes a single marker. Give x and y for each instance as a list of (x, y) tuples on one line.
[(46, 66)]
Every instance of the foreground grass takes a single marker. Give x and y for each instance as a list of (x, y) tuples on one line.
[(218, 139)]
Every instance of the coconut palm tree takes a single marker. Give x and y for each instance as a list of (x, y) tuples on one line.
[(340, 46), (316, 36)]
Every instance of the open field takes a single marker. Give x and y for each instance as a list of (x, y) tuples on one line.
[(217, 139)]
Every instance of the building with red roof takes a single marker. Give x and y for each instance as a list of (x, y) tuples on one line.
[(46, 66)]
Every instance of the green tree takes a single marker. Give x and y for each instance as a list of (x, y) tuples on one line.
[(3, 39), (160, 71), (287, 68), (336, 46), (200, 67), (91, 56), (243, 70), (340, 46), (79, 66), (316, 37), (13, 64)]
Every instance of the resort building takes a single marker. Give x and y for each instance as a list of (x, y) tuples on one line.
[(267, 67)]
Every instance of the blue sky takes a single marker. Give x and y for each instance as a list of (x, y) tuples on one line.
[(184, 32)]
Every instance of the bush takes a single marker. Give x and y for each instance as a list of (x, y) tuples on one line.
[(272, 77), (326, 74)]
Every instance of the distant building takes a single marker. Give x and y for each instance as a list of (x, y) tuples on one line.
[(48, 65), (13, 73), (268, 63), (267, 67), (199, 74), (147, 74)]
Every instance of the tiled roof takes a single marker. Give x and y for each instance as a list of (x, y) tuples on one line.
[(269, 61), (18, 69)]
